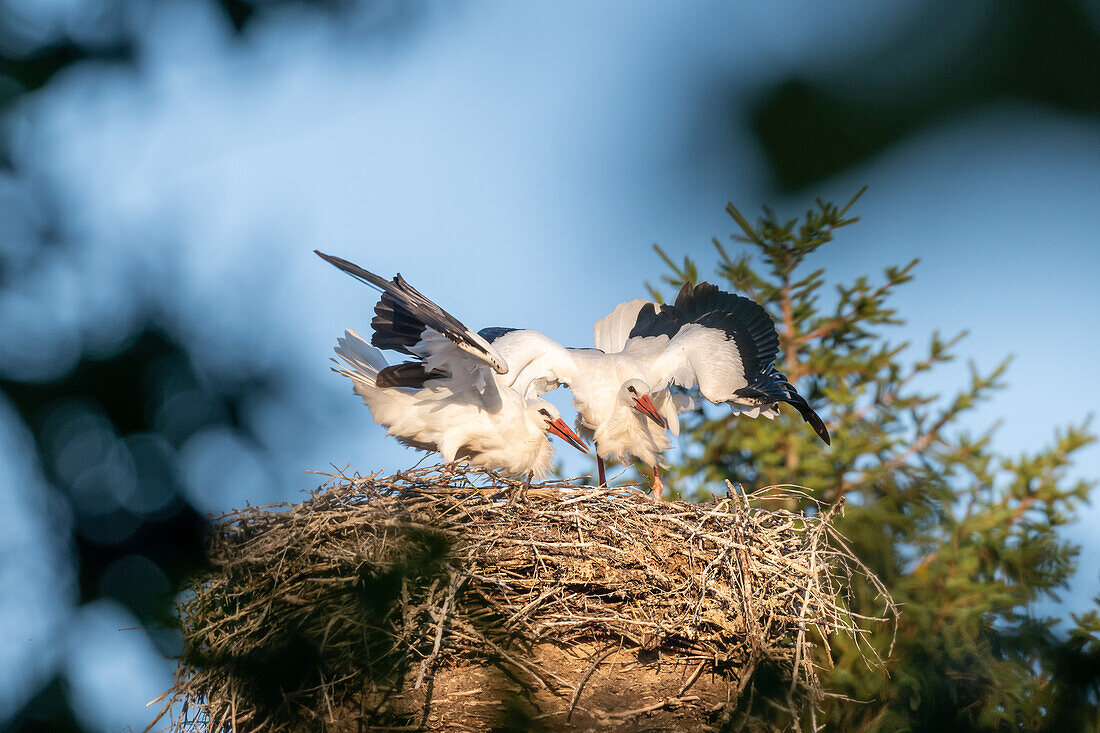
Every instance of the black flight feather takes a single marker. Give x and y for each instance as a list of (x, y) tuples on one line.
[(749, 326), (742, 320), (492, 333), (395, 326), (403, 313), (771, 387), (410, 374), (808, 414)]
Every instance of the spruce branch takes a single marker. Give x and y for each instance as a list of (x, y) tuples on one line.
[(965, 537)]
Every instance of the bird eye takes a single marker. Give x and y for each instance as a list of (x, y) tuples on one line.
[(544, 411), (631, 390)]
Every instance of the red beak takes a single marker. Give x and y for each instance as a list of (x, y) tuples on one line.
[(645, 406), (563, 431)]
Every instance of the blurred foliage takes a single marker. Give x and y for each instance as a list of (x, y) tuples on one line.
[(950, 58), (966, 539), (108, 436), (108, 433)]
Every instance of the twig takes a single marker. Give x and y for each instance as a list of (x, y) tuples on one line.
[(598, 659), (667, 702), (452, 590), (691, 680)]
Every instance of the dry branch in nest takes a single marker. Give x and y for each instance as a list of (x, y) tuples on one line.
[(465, 601)]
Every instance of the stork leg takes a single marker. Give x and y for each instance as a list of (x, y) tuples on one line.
[(521, 495), (658, 487), (599, 467)]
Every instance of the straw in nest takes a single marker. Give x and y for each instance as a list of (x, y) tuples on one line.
[(465, 601)]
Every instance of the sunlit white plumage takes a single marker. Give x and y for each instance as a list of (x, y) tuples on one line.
[(526, 361), (616, 407), (453, 398), (724, 344), (492, 428)]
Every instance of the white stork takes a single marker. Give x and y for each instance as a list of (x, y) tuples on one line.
[(724, 343), (493, 429), (452, 399), (615, 406)]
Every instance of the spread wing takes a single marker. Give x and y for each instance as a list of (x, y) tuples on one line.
[(403, 315), (611, 332), (722, 342)]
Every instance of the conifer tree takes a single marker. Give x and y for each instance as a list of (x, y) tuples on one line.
[(966, 540)]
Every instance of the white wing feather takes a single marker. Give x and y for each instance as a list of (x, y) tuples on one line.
[(696, 355), (611, 332), (538, 363), (487, 427)]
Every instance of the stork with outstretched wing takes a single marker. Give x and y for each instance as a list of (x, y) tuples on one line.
[(452, 398), (616, 408), (723, 343)]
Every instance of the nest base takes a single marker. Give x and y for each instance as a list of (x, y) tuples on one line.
[(620, 693)]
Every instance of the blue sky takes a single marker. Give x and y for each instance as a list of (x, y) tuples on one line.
[(515, 162)]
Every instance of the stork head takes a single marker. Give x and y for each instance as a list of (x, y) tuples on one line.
[(551, 419), (635, 393)]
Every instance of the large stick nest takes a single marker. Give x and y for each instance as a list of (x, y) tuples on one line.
[(466, 601)]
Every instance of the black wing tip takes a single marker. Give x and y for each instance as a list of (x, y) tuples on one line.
[(817, 424), (776, 386), (799, 403), (354, 270), (337, 261), (331, 259), (687, 289)]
